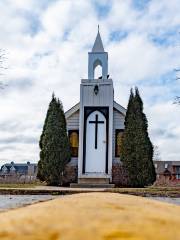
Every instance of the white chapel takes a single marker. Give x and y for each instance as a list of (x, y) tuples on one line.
[(95, 125)]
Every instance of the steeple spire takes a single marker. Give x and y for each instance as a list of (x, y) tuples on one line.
[(98, 45)]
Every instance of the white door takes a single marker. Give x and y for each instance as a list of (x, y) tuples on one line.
[(95, 143)]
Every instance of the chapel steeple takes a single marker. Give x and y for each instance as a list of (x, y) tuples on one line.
[(98, 57), (98, 45)]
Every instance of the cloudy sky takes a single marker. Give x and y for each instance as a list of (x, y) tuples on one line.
[(46, 44)]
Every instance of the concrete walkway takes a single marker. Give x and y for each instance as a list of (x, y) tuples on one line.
[(51, 188)]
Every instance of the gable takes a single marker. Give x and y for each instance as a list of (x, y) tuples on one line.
[(76, 108), (72, 110), (119, 108), (4, 168), (12, 168)]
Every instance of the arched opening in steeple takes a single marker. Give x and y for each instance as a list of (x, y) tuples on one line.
[(98, 60), (97, 68), (98, 72)]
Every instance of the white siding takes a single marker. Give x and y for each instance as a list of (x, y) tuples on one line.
[(73, 121), (118, 123), (104, 96), (73, 124)]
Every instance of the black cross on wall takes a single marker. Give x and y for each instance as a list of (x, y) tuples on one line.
[(96, 122)]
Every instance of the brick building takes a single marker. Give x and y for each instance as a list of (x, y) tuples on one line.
[(168, 172)]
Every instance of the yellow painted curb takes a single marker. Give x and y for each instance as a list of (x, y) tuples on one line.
[(91, 216)]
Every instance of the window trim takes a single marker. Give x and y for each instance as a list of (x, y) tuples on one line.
[(116, 133), (69, 133)]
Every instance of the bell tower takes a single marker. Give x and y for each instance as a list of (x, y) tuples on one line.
[(96, 119), (97, 57)]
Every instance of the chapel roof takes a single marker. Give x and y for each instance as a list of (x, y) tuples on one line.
[(76, 107)]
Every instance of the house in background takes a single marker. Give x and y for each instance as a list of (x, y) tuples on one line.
[(168, 172), (18, 172)]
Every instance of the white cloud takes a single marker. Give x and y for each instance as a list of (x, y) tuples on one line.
[(164, 128), (47, 46)]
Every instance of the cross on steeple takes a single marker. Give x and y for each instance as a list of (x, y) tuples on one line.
[(96, 122)]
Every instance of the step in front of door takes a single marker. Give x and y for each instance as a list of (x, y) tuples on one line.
[(95, 180)]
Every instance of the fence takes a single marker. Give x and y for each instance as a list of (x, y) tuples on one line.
[(17, 178)]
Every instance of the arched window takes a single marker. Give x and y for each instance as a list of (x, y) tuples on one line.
[(98, 72), (118, 142), (97, 66), (74, 142)]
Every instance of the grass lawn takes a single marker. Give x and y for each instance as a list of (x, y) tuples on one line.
[(27, 188), (149, 191), (19, 185)]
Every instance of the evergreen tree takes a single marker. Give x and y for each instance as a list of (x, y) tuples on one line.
[(137, 149), (54, 145), (40, 170)]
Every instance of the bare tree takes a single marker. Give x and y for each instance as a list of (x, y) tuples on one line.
[(177, 70), (2, 67), (177, 98), (156, 155)]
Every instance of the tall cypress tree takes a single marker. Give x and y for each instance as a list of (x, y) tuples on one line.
[(137, 149), (127, 155), (40, 174), (54, 145)]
